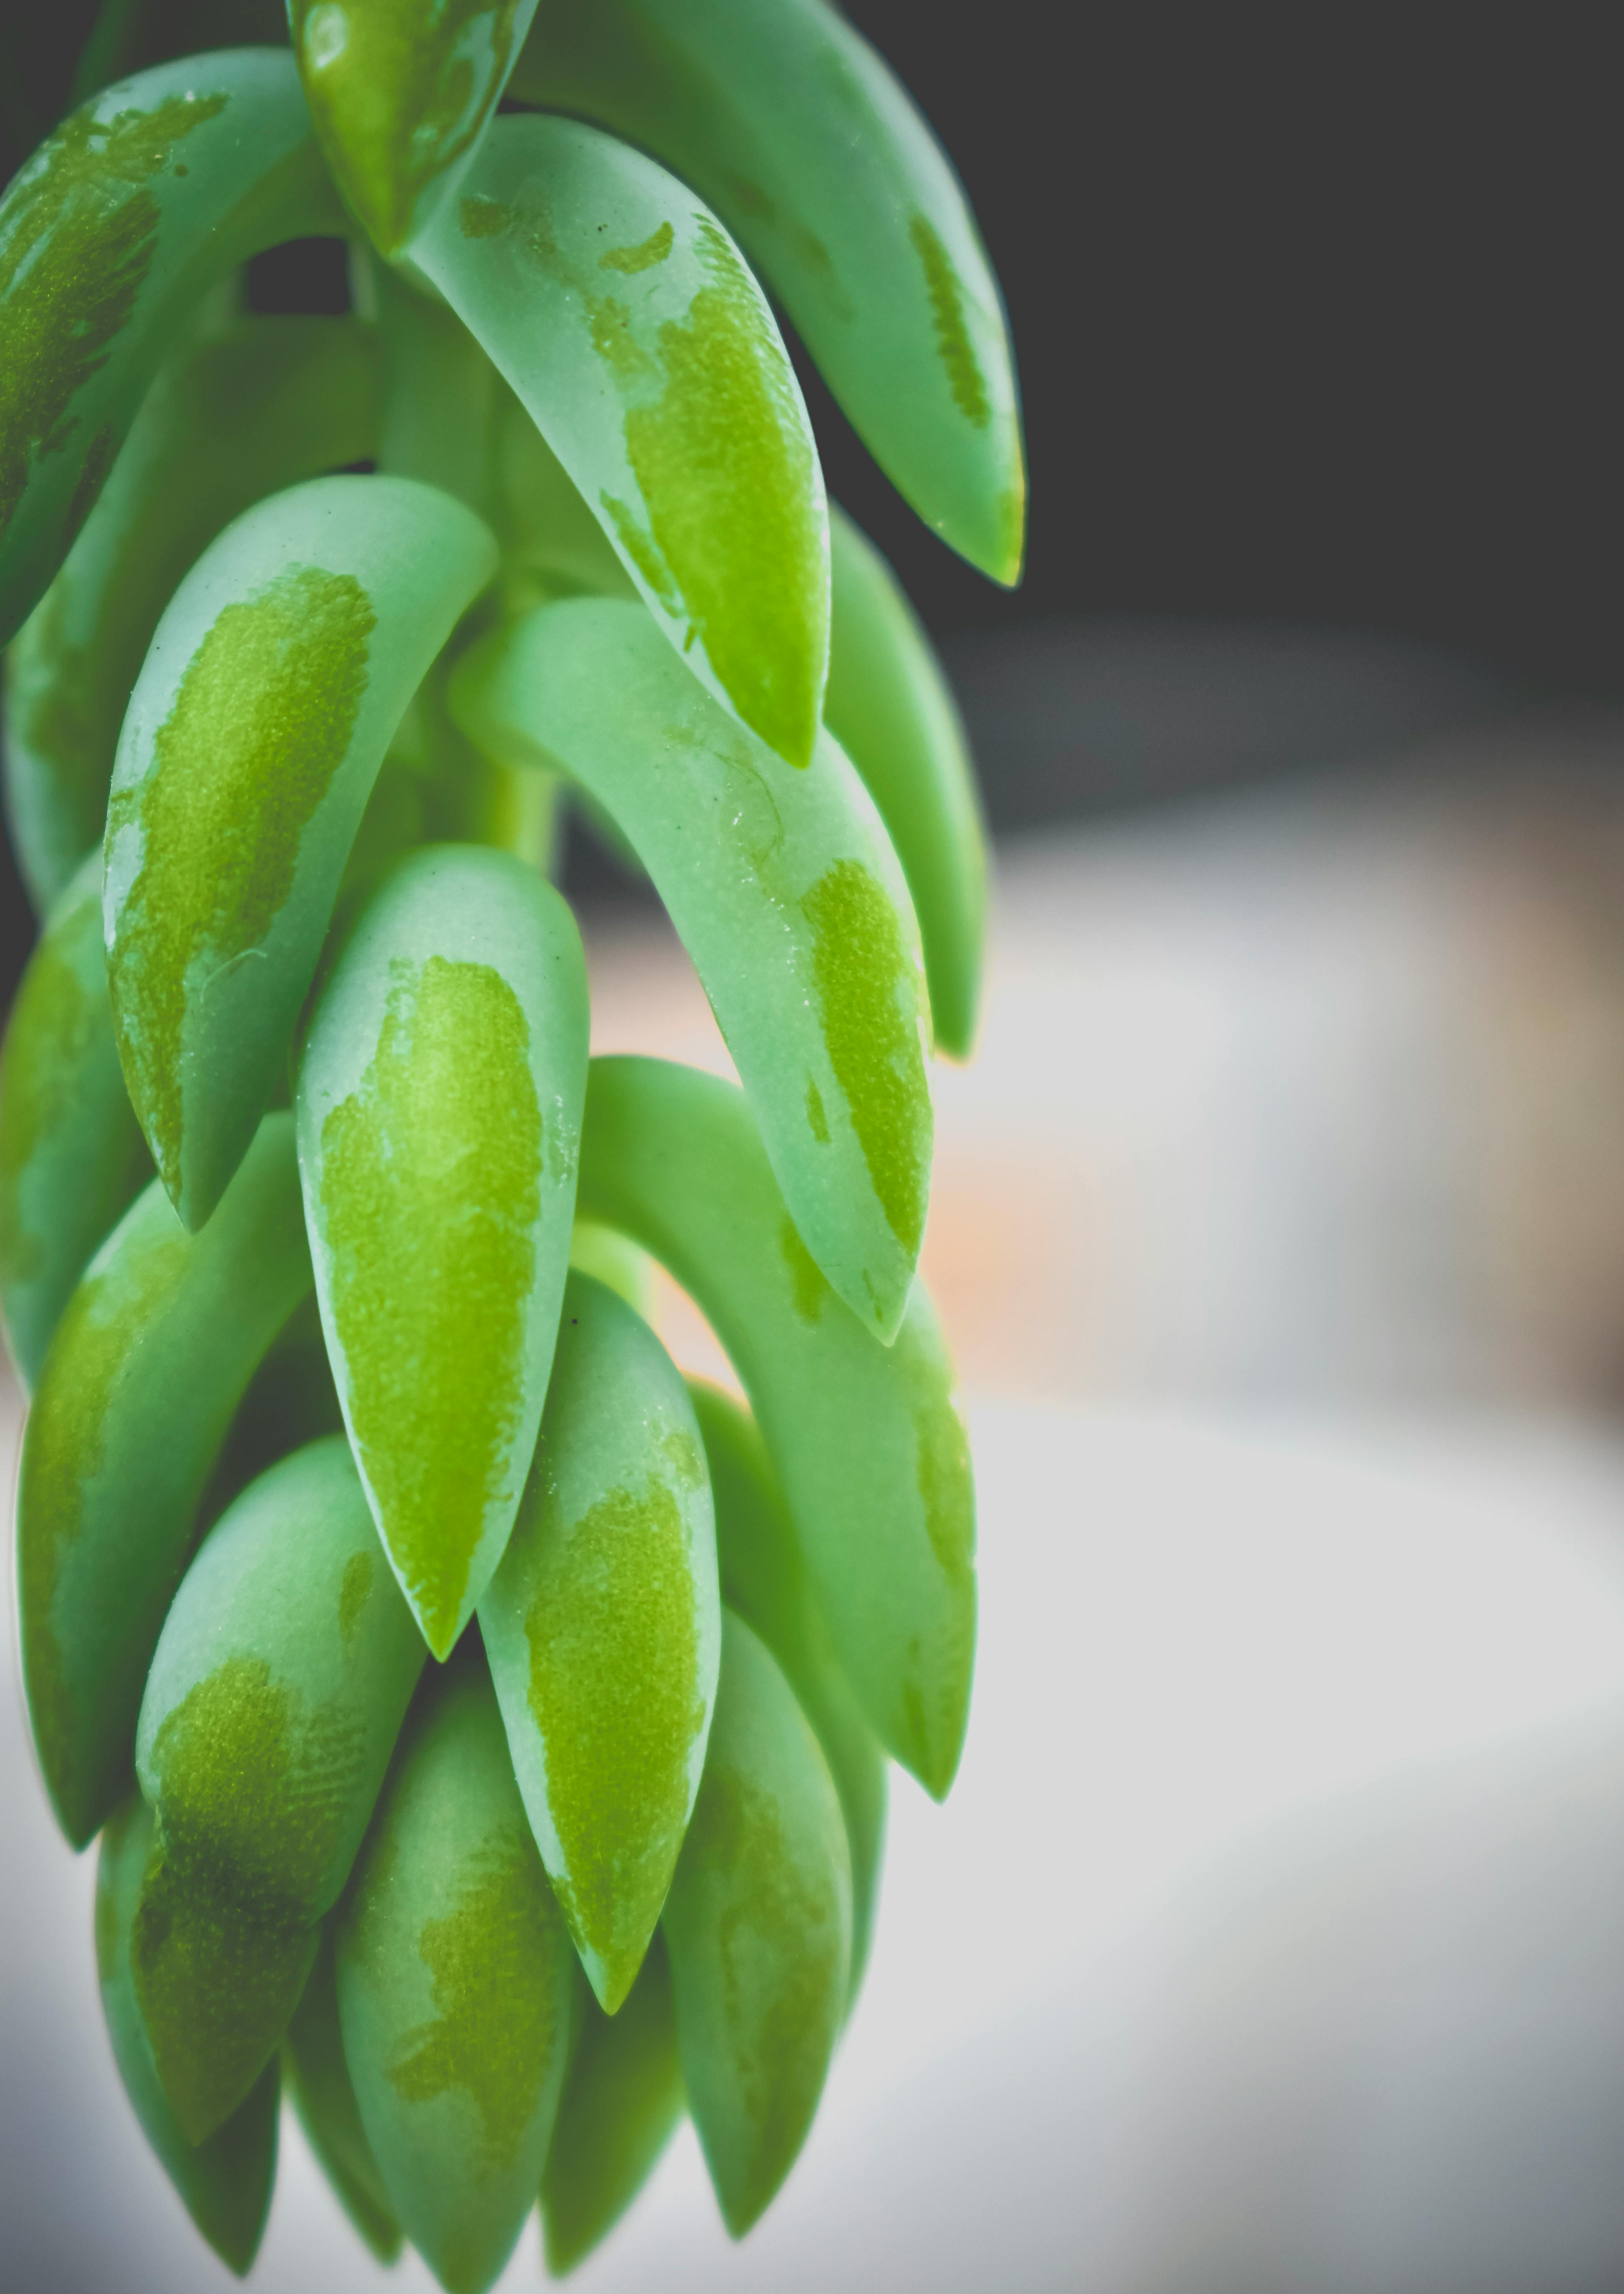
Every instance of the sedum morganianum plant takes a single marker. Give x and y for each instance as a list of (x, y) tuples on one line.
[(485, 1729)]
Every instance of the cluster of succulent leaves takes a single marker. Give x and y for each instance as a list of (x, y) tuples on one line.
[(486, 1729)]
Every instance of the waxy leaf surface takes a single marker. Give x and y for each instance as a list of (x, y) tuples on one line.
[(147, 1367), (399, 95), (783, 116), (324, 2097), (71, 1152), (108, 236), (890, 708), (758, 1926), (455, 1983), (224, 2184), (439, 1106), (230, 420), (867, 1441), (278, 676), (603, 1629), (275, 1694), (629, 325), (622, 2101), (786, 893), (765, 1581)]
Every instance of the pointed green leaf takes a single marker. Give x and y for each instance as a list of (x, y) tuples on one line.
[(279, 673), (764, 1582), (625, 319), (622, 2101), (866, 1441), (400, 94), (225, 2183), (275, 1694), (786, 893), (109, 235), (603, 1629), (889, 707), (232, 420), (147, 1367), (324, 2097), (439, 1103), (781, 116), (759, 1925), (455, 1981), (71, 1152)]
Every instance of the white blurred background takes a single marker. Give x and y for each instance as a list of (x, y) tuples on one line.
[(1272, 1941)]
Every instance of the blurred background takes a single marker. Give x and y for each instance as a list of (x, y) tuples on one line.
[(1272, 1941)]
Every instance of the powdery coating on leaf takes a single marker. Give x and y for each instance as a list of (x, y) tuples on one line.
[(726, 471), (953, 343), (261, 723), (253, 1804), (396, 102), (491, 1959), (778, 1948), (717, 439), (431, 1176), (73, 256), (65, 1452), (54, 1024), (614, 1691), (864, 979)]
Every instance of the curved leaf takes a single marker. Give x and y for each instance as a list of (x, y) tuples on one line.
[(621, 2104), (604, 1629), (786, 892), (149, 1364), (224, 2184), (277, 1689), (323, 2097), (625, 319), (399, 95), (890, 708), (455, 1983), (71, 1152), (108, 236), (236, 417), (764, 1582), (783, 116), (759, 1925), (277, 677), (439, 1105), (867, 1441)]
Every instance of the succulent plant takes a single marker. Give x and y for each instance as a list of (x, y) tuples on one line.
[(486, 1729)]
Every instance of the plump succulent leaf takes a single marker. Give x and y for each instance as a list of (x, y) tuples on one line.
[(224, 2184), (622, 2102), (71, 1152), (759, 1925), (765, 1581), (888, 706), (324, 2097), (455, 1988), (275, 1695), (604, 1631), (867, 1441), (400, 94), (148, 1365), (279, 672), (229, 420), (783, 117), (108, 236), (786, 893), (627, 321), (439, 1108)]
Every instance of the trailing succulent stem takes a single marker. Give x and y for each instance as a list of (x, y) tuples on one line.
[(486, 1730)]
